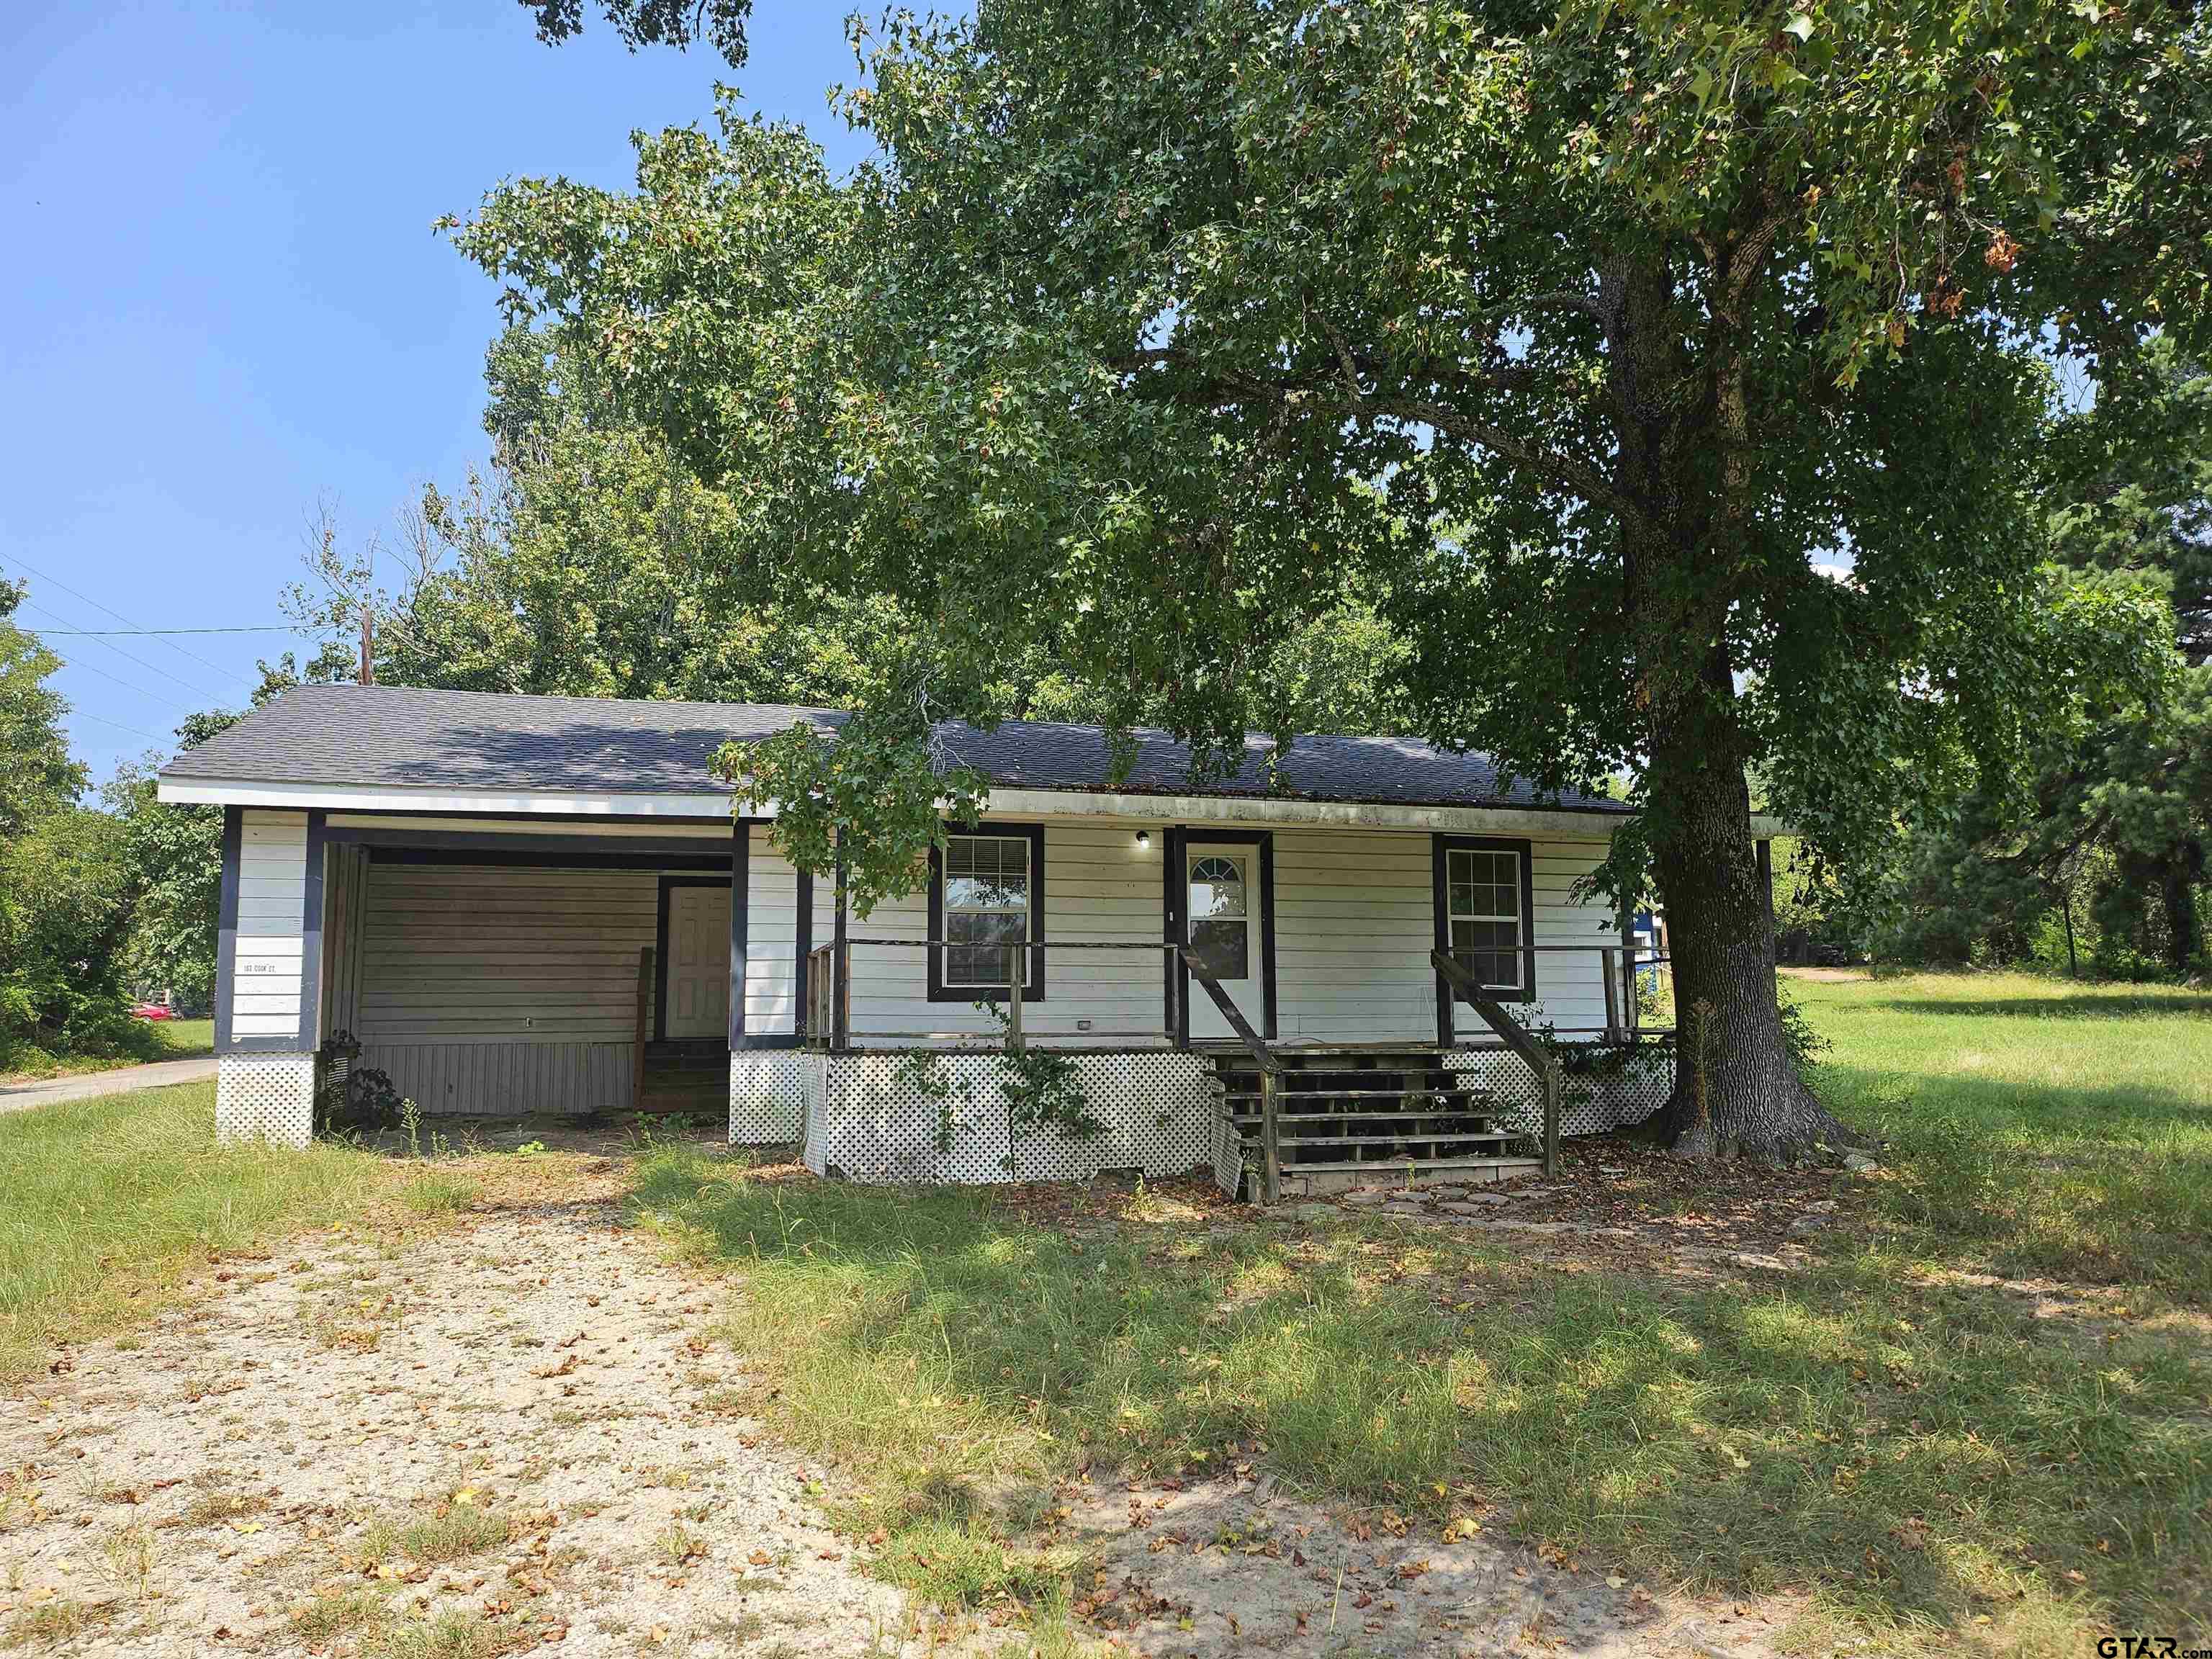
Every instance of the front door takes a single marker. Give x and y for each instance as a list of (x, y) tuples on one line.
[(1223, 906), (698, 962)]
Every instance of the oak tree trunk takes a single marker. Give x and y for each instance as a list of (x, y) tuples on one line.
[(1685, 462), (1737, 1093)]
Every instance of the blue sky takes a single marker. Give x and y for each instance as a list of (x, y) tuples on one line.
[(226, 300)]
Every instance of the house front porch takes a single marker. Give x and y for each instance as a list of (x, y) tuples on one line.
[(1292, 1009), (1268, 1118)]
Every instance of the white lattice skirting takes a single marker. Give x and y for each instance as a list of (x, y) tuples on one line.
[(268, 1097), (767, 1096), (1607, 1088), (883, 1117)]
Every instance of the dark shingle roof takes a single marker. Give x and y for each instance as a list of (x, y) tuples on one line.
[(409, 738)]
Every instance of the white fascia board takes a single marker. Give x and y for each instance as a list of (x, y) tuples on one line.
[(717, 831), (360, 798), (1556, 823)]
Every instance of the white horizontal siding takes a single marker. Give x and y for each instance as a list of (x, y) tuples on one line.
[(266, 976), (469, 954), (773, 976), (1355, 919), (825, 920), (1098, 885), (1570, 988)]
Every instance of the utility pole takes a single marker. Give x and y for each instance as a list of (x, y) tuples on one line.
[(367, 645)]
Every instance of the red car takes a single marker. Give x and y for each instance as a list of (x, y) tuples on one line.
[(152, 1011)]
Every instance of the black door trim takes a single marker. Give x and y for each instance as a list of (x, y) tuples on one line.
[(1178, 898)]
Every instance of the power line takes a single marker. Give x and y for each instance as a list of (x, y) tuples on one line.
[(89, 668), (153, 668), (135, 730), (111, 611), (160, 633)]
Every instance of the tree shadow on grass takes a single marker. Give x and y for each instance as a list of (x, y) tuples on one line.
[(1892, 1446)]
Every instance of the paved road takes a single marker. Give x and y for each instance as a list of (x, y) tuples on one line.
[(19, 1097)]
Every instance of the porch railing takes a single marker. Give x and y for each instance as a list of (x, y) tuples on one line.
[(1637, 984), (1518, 1037), (829, 990), (1271, 1133)]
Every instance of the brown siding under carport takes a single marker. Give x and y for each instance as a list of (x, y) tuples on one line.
[(501, 989)]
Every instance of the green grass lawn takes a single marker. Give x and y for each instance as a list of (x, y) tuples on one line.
[(148, 1041), (2039, 1127), (109, 1206), (1934, 1466)]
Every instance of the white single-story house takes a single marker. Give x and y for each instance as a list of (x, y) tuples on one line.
[(524, 904)]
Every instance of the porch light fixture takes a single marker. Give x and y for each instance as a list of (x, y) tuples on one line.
[(1144, 840)]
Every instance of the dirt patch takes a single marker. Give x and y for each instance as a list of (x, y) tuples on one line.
[(1234, 1566), (506, 1435), (1623, 1203)]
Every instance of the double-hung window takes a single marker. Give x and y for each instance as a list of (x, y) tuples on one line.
[(1484, 913), (985, 902)]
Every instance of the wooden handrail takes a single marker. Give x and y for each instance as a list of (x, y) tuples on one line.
[(1518, 1037), (1271, 1137), (1251, 1039)]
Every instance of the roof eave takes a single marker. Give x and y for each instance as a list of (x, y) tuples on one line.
[(1192, 809)]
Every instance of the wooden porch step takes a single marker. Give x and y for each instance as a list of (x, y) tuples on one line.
[(1415, 1165), (1412, 1091), (687, 1077), (1379, 1142), (1291, 1119)]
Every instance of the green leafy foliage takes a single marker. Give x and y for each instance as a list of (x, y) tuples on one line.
[(1044, 1090), (175, 854), (878, 784), (36, 773), (2103, 829), (65, 891), (652, 22)]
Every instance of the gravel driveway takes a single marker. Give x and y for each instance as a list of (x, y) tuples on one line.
[(161, 1074), (504, 1437), (509, 1435)]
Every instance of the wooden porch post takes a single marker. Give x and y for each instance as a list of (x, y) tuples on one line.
[(1271, 1141), (841, 1009)]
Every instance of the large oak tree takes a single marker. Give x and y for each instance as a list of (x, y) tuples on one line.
[(1596, 330)]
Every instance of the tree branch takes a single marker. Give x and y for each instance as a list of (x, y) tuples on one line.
[(1218, 386), (1563, 469)]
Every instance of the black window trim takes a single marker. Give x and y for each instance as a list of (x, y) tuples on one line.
[(1441, 849), (1033, 988)]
